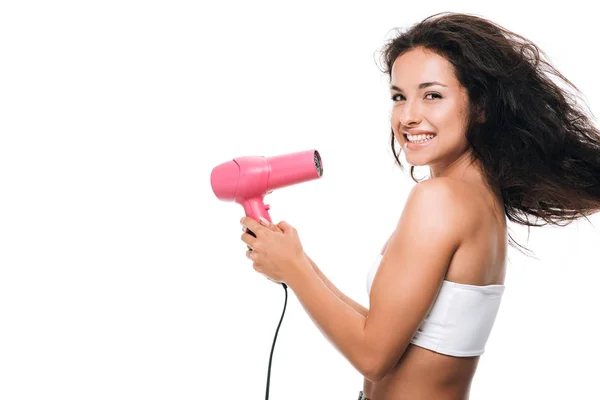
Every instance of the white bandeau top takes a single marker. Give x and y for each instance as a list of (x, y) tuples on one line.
[(461, 319)]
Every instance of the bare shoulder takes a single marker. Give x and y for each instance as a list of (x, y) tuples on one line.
[(441, 205), (446, 199), (440, 186), (443, 192)]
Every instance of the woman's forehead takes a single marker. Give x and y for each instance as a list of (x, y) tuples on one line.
[(416, 67)]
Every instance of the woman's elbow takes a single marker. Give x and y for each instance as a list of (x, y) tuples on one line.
[(374, 371)]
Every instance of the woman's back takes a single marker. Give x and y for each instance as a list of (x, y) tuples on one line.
[(480, 260)]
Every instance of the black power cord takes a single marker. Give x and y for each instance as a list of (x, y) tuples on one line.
[(277, 331), (274, 339)]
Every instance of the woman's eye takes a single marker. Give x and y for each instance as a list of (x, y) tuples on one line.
[(433, 94), (398, 97)]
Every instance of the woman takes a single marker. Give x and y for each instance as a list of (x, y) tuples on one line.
[(475, 103)]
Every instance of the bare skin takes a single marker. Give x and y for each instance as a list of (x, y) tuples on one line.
[(481, 260), (427, 98)]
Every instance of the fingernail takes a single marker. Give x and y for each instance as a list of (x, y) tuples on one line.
[(264, 221), (243, 228)]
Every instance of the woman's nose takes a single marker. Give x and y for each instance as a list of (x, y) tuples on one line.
[(410, 114)]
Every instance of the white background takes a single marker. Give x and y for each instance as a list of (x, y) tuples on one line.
[(121, 274)]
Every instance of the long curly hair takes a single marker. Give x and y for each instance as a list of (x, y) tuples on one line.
[(536, 145)]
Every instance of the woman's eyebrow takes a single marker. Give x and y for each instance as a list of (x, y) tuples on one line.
[(421, 85)]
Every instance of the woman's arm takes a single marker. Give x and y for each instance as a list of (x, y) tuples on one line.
[(367, 385), (356, 306)]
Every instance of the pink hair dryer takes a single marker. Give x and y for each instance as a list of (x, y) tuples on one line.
[(246, 180)]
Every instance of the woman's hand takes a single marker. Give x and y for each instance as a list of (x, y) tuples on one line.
[(274, 228), (276, 250)]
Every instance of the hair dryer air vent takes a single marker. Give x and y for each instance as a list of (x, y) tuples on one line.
[(318, 163)]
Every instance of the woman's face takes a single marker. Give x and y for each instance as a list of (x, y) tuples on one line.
[(428, 99)]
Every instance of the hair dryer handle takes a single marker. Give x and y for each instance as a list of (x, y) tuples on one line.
[(256, 208)]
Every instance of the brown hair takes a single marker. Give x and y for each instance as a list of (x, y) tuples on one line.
[(536, 144)]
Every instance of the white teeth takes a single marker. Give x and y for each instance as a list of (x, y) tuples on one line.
[(419, 138)]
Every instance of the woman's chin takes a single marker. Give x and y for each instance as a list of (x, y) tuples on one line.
[(417, 160)]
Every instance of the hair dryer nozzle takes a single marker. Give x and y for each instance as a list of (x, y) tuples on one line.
[(289, 169)]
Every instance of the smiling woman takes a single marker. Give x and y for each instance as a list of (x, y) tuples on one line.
[(458, 83), (429, 117)]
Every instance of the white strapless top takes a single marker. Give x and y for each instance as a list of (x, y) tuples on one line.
[(460, 320)]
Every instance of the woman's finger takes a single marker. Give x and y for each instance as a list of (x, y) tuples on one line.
[(274, 228)]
